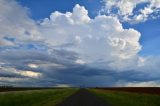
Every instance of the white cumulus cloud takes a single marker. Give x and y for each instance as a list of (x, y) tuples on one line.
[(127, 10), (100, 39)]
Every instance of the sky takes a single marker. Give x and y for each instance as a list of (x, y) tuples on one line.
[(92, 43)]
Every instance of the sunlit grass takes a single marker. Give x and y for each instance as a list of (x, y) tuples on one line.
[(117, 98), (35, 98)]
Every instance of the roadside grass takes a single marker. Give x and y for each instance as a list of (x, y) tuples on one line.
[(35, 97), (119, 98)]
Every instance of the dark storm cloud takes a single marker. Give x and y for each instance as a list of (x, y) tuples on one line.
[(59, 68)]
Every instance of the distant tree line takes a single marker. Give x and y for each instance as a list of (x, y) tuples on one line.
[(6, 86)]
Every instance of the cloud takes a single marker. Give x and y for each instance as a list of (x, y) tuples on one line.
[(78, 61), (29, 74), (132, 11), (69, 49), (32, 65), (141, 84), (83, 35), (4, 42), (16, 24)]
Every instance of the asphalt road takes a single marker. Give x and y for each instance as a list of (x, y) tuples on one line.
[(83, 98)]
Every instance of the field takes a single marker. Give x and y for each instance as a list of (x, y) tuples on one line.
[(6, 89), (129, 96), (133, 96), (148, 90), (45, 97)]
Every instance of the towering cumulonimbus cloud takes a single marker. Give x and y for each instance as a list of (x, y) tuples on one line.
[(100, 39), (70, 49)]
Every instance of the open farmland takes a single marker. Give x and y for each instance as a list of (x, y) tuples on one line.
[(7, 89), (148, 90), (129, 96), (80, 97), (47, 97)]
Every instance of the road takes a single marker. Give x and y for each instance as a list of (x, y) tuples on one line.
[(83, 98)]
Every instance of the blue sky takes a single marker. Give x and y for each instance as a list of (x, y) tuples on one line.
[(149, 36), (41, 9), (79, 42)]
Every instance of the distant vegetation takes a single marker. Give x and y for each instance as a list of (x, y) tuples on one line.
[(6, 86), (35, 97), (120, 98)]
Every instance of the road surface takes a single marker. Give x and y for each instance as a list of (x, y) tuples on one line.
[(83, 98)]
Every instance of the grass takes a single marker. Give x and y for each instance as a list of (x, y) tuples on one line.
[(35, 97), (119, 98)]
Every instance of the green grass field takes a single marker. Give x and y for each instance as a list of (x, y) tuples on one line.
[(35, 97), (117, 98)]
